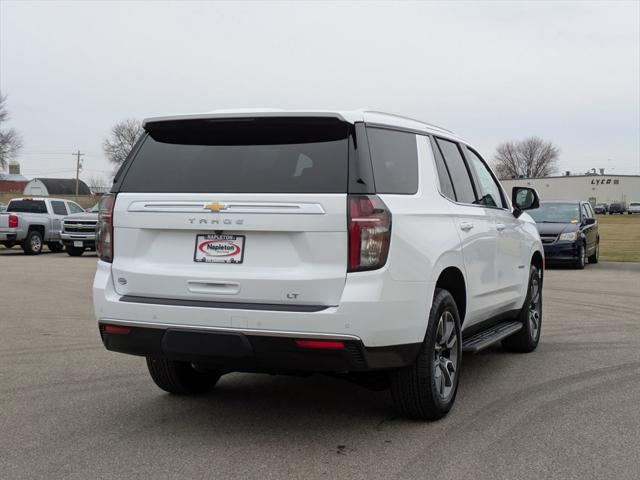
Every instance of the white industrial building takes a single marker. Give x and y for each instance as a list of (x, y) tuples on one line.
[(594, 188)]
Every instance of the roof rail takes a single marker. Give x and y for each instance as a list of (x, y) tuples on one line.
[(412, 119)]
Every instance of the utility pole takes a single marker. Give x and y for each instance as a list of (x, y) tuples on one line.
[(78, 168)]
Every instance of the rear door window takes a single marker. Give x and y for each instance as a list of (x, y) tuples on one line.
[(59, 208), (27, 206), (458, 170), (268, 155), (490, 195), (394, 156)]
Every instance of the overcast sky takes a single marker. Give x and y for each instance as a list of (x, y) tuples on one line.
[(491, 71)]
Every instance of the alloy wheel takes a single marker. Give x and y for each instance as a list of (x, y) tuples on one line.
[(445, 362), (36, 243), (535, 307)]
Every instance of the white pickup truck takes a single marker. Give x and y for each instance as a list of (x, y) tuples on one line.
[(33, 222)]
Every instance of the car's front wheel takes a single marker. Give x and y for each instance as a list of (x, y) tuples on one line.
[(75, 251), (427, 389), (581, 261), (526, 340), (55, 247), (181, 378)]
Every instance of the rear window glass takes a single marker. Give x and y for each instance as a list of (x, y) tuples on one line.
[(302, 155), (27, 206), (394, 156)]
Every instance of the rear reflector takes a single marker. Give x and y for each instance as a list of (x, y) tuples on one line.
[(117, 329), (321, 344)]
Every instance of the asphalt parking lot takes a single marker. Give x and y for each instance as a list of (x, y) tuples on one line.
[(70, 409)]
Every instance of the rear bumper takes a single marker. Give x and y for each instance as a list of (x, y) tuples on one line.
[(235, 351), (561, 252), (374, 310), (8, 236)]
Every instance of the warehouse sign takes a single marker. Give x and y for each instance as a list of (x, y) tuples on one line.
[(604, 181)]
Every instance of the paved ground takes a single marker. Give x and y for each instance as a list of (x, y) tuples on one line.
[(70, 409)]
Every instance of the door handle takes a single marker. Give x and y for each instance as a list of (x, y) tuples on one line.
[(466, 226), (500, 226)]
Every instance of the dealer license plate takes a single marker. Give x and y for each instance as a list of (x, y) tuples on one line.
[(212, 248)]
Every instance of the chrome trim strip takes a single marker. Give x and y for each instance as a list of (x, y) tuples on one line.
[(229, 207), (247, 331)]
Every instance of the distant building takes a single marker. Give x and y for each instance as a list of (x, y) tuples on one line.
[(594, 188), (44, 187), (12, 182)]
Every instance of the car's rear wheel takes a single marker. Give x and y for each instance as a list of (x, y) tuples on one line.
[(180, 378), (526, 340), (75, 251), (427, 389), (596, 254), (581, 261), (32, 245)]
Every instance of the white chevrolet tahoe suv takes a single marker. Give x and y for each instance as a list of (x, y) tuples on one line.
[(356, 243)]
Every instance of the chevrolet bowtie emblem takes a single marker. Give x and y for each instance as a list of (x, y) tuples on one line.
[(215, 207)]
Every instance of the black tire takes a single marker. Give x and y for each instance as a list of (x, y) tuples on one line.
[(582, 258), (32, 245), (596, 254), (55, 247), (180, 378), (8, 244), (75, 251), (527, 339), (417, 390)]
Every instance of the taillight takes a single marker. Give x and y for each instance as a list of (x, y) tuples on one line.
[(13, 221), (369, 232), (104, 235)]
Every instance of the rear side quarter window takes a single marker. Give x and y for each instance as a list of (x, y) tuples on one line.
[(394, 156)]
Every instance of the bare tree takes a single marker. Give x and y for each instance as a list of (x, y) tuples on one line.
[(99, 184), (121, 140), (528, 158), (10, 139)]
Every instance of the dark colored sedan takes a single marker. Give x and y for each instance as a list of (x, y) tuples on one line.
[(617, 207), (569, 232), (601, 208)]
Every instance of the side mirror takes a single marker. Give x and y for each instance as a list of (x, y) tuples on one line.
[(524, 198), (589, 221)]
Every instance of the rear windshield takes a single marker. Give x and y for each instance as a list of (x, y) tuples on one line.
[(27, 206), (266, 155)]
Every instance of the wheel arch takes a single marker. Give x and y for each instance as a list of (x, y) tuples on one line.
[(452, 279)]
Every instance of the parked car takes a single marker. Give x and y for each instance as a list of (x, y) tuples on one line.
[(296, 242), (569, 232), (79, 232), (3, 207), (601, 208), (634, 207), (33, 222), (617, 207)]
